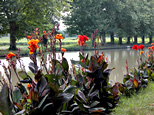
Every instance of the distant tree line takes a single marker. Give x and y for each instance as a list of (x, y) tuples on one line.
[(123, 18)]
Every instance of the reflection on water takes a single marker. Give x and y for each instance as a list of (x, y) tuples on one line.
[(116, 59)]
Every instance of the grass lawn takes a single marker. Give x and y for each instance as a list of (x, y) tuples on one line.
[(68, 43), (141, 104)]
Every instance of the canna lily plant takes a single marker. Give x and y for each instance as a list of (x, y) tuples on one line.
[(53, 89)]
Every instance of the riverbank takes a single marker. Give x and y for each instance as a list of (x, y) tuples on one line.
[(139, 104), (25, 51)]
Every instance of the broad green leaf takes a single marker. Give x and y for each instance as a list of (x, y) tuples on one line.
[(58, 70), (42, 101), (126, 77), (152, 75), (23, 74), (5, 103), (82, 96), (81, 56), (70, 89), (95, 103), (79, 78), (17, 95), (41, 85), (34, 95), (73, 82), (97, 110), (53, 87), (50, 77), (65, 64), (93, 64)]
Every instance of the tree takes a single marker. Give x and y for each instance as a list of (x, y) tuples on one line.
[(80, 19), (18, 16), (121, 18)]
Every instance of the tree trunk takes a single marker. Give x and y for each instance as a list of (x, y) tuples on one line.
[(13, 28), (103, 38), (135, 39), (143, 39), (128, 40), (120, 40), (112, 37), (150, 39)]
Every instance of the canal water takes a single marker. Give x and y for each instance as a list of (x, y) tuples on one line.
[(116, 59)]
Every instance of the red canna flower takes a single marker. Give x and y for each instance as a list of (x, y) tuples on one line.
[(134, 47), (141, 47), (29, 37), (82, 60), (63, 49), (33, 45), (141, 52), (59, 36), (44, 32), (152, 44), (10, 55), (82, 39), (148, 55)]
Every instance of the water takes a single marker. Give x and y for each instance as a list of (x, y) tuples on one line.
[(116, 59)]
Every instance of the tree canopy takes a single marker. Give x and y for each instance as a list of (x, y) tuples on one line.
[(18, 16), (124, 18)]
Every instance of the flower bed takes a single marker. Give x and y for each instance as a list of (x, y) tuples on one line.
[(54, 91)]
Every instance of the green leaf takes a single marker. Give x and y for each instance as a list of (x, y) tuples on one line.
[(53, 87), (23, 74), (17, 95), (41, 85), (70, 89), (65, 64), (97, 110), (50, 77), (73, 82), (79, 78), (82, 96), (152, 75), (5, 103), (58, 70), (126, 77), (81, 56), (95, 103), (42, 101), (93, 64)]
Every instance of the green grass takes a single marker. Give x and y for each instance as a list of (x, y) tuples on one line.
[(141, 104), (68, 43)]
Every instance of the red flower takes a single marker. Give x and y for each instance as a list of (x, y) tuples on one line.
[(29, 37), (59, 36), (33, 45), (141, 47), (134, 47), (82, 39), (44, 32), (10, 55), (63, 49)]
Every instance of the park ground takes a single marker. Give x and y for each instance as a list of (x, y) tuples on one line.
[(139, 104), (70, 44)]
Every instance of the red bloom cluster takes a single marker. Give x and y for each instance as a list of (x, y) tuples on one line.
[(82, 39), (33, 45), (10, 55), (136, 47)]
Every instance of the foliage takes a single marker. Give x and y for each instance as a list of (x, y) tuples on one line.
[(124, 18), (55, 91), (18, 16)]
